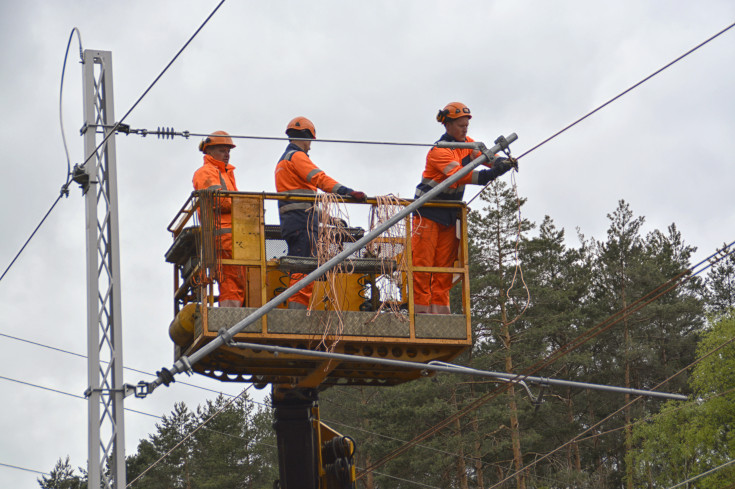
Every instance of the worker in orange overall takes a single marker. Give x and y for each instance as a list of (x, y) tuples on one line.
[(297, 174), (217, 174), (434, 239)]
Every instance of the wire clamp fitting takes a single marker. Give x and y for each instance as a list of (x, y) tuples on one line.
[(225, 335), (142, 389), (187, 365), (166, 376), (80, 176)]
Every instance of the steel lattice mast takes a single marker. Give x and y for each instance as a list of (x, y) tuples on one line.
[(105, 394)]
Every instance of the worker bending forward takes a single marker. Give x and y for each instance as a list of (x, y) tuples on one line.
[(435, 240), (217, 174), (297, 174)]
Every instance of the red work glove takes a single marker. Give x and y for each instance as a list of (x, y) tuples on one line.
[(358, 196)]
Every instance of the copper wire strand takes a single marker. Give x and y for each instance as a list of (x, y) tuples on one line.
[(390, 248), (331, 215), (518, 268)]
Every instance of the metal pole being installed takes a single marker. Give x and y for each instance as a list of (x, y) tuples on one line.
[(184, 363), (437, 366), (98, 177)]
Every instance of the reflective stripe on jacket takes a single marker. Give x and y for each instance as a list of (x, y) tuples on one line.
[(441, 163), (297, 174)]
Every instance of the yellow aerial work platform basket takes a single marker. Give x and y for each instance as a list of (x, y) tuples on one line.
[(361, 318)]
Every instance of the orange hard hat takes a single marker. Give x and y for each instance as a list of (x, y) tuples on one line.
[(216, 138), (453, 110), (302, 124)]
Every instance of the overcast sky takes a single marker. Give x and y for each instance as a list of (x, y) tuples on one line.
[(375, 70)]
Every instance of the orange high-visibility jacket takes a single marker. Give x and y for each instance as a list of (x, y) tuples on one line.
[(297, 174), (441, 163), (216, 175)]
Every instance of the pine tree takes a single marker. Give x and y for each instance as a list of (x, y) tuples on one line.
[(721, 286), (499, 297), (558, 280), (224, 451), (646, 346), (63, 476), (165, 458)]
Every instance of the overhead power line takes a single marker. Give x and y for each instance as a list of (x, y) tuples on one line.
[(65, 187), (171, 133), (23, 468), (611, 415), (201, 425), (566, 349), (153, 83), (616, 97), (67, 352), (711, 471), (252, 401)]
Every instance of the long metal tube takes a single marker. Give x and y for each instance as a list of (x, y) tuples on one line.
[(184, 363), (458, 369)]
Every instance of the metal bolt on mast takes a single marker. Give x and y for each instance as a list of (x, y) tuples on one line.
[(98, 178)]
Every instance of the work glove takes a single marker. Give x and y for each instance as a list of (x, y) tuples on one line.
[(500, 166), (358, 196)]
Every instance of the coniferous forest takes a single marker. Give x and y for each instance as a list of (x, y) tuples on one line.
[(627, 310)]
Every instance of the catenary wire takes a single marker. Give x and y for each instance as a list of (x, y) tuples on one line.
[(201, 425), (471, 459), (167, 133), (252, 401), (17, 255), (24, 469), (624, 92), (719, 255), (614, 413), (61, 350), (652, 417), (389, 143), (708, 472), (64, 351), (64, 188), (582, 339), (150, 87), (57, 391)]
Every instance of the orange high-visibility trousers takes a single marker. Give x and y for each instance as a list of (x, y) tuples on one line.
[(433, 245), (231, 277), (303, 296)]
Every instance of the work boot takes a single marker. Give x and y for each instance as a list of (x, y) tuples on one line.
[(296, 305)]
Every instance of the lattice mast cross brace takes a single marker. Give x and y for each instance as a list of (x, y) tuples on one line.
[(105, 394)]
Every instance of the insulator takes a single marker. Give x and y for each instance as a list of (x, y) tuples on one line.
[(166, 132)]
